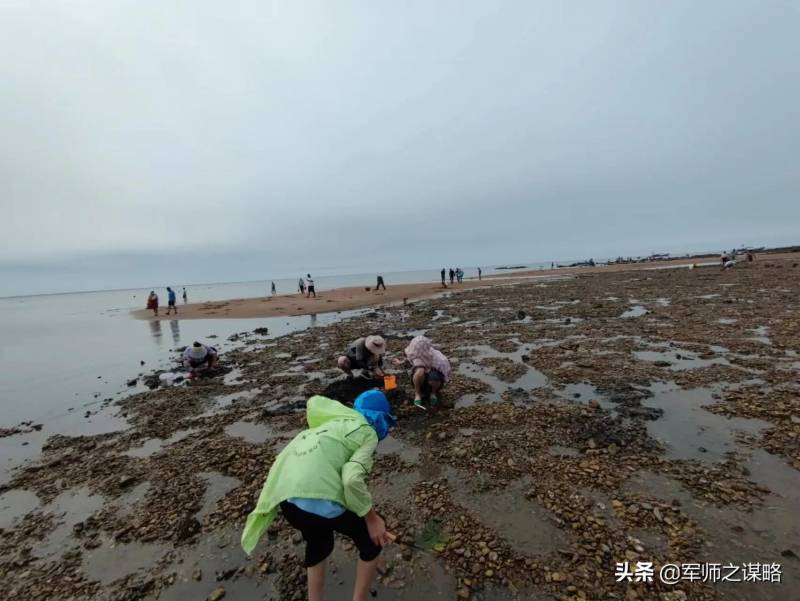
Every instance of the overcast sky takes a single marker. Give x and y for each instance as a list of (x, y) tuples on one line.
[(144, 142)]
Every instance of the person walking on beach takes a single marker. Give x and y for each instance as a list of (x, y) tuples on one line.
[(301, 286), (430, 369), (380, 283), (480, 273), (152, 302), (199, 358), (452, 276), (171, 301), (319, 483), (310, 286), (185, 298), (459, 275), (365, 354), (272, 288), (444, 283)]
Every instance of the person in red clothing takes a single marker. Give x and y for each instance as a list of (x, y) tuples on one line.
[(152, 302)]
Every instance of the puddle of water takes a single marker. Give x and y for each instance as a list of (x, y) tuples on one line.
[(394, 446), (110, 561), (251, 432), (69, 508), (709, 296), (686, 428), (761, 334), (221, 402), (635, 311), (559, 451), (215, 553), (727, 321), (15, 504), (154, 445), (524, 524), (233, 377), (663, 302), (687, 359), (217, 487), (740, 536), (584, 392)]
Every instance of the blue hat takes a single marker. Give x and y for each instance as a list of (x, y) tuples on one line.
[(373, 405)]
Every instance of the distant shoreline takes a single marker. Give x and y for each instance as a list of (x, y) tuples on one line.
[(350, 298)]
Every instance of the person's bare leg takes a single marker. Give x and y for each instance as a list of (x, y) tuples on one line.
[(419, 382), (365, 574), (344, 365), (316, 581)]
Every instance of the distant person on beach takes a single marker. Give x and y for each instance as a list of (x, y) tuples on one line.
[(430, 369), (310, 286), (185, 298), (171, 301), (444, 283), (272, 288), (301, 286), (380, 283), (152, 302), (723, 257), (199, 358), (460, 275), (319, 483), (750, 257), (365, 354), (480, 273), (452, 276)]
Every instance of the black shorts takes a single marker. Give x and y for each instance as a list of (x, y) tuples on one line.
[(171, 303), (433, 375), (318, 532)]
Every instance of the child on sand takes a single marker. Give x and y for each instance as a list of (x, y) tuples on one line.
[(365, 354), (319, 484), (152, 302), (199, 358), (301, 286)]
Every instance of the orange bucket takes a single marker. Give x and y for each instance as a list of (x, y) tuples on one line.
[(389, 382)]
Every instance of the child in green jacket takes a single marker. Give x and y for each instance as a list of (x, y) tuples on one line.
[(318, 481)]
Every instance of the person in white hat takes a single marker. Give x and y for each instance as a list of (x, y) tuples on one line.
[(199, 358), (365, 354)]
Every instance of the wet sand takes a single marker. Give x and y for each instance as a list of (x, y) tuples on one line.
[(345, 299), (623, 416)]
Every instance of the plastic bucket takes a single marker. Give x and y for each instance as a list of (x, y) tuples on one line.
[(389, 382)]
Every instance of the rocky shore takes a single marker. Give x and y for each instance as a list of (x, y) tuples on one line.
[(633, 415)]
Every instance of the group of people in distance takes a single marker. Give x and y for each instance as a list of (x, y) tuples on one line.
[(152, 301), (456, 275), (318, 482)]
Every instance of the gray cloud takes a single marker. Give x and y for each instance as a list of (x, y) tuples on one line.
[(280, 137)]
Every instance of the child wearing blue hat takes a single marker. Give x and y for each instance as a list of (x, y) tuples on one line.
[(318, 481)]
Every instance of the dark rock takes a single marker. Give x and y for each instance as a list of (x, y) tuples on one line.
[(521, 314), (261, 331), (132, 382)]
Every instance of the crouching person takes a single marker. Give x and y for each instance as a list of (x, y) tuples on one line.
[(199, 358), (430, 369), (319, 483), (365, 354)]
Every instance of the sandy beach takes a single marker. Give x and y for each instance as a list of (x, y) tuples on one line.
[(628, 415), (345, 299)]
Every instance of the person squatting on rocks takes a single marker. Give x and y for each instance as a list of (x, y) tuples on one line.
[(171, 301), (430, 369), (152, 302), (365, 354), (319, 484), (199, 358)]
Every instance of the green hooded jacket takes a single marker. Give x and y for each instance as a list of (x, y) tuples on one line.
[(331, 460)]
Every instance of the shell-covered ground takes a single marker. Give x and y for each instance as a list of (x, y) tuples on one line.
[(648, 416)]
